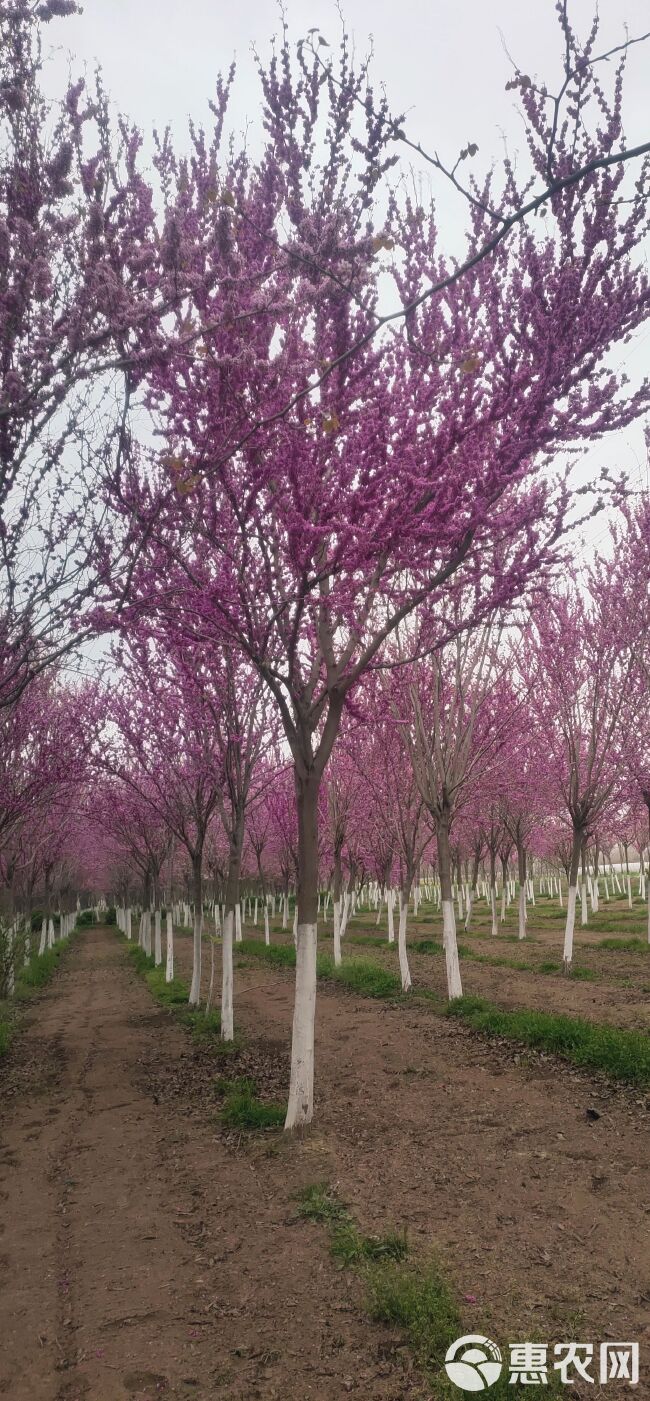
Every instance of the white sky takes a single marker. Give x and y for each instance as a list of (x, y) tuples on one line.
[(443, 62)]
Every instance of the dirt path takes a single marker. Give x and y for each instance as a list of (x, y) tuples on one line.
[(142, 1254)]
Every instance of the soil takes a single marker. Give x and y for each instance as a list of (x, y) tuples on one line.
[(148, 1252)]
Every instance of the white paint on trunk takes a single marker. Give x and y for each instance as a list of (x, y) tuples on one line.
[(301, 1089), (157, 940), (454, 984), (195, 989), (238, 933), (569, 926), (404, 969), (43, 940), (169, 969), (50, 934), (267, 933), (493, 910), (390, 907), (337, 933), (522, 911), (227, 979)]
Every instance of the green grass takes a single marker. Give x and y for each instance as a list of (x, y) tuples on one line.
[(203, 1025), (623, 1055), (174, 995), (624, 945), (403, 1294), (40, 969), (242, 1109), (278, 955), (29, 980), (420, 1303), (360, 975), (349, 1247)]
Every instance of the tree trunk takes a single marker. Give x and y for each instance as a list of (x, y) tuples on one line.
[(232, 900), (300, 1108), (169, 970), (197, 886), (493, 894), (571, 899), (521, 864), (404, 969), (454, 984)]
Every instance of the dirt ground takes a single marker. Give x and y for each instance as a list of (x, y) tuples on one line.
[(146, 1252)]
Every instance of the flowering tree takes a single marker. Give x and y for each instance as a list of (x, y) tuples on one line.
[(587, 697), (85, 280), (306, 531)]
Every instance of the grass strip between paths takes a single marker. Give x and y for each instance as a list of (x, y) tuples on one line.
[(621, 1054), (173, 995), (359, 975), (412, 1296), (29, 980)]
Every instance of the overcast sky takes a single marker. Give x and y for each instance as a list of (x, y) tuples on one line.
[(443, 62)]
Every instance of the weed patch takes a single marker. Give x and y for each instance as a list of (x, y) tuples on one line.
[(242, 1109)]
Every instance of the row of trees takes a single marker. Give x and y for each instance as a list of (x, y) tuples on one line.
[(508, 743), (337, 492)]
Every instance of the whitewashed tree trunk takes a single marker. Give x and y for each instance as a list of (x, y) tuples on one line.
[(157, 939), (238, 929), (255, 912), (522, 911), (336, 935), (336, 932), (493, 910), (347, 913), (195, 987), (50, 934), (390, 909), (208, 1002), (629, 893), (404, 969), (43, 939), (454, 983), (569, 927), (227, 979), (169, 970), (301, 1095), (267, 933)]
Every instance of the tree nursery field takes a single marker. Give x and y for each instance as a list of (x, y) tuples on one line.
[(324, 722)]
